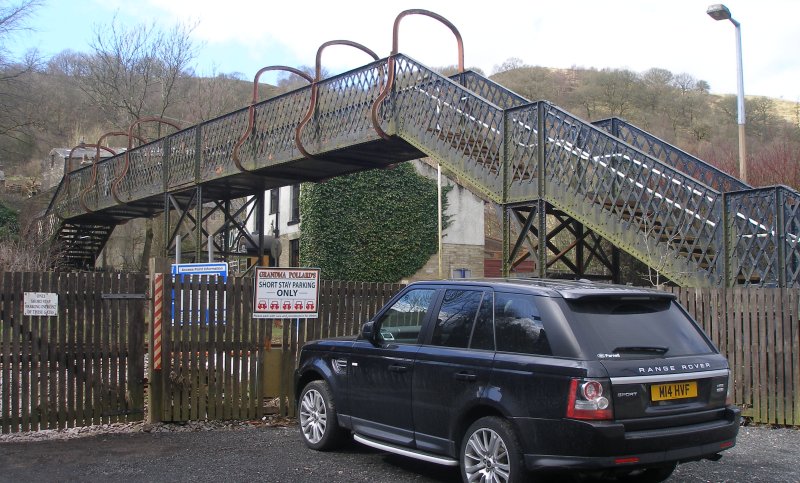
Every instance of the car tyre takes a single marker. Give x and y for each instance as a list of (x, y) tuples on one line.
[(651, 474), (490, 452), (319, 424)]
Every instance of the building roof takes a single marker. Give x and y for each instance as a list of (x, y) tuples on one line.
[(81, 153)]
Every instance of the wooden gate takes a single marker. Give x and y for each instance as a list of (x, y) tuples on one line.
[(82, 366), (209, 349)]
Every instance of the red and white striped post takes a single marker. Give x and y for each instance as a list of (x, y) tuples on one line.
[(158, 295)]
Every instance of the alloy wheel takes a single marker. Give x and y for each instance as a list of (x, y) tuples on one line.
[(313, 416), (486, 457)]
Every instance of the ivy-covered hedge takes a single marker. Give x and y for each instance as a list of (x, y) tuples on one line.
[(373, 226)]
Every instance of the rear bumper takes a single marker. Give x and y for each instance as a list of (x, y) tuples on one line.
[(591, 445)]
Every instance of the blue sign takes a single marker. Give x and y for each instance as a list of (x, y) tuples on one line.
[(219, 269), (182, 269)]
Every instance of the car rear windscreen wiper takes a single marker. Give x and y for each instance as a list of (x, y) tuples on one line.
[(638, 348)]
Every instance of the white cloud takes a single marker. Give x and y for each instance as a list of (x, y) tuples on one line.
[(676, 35)]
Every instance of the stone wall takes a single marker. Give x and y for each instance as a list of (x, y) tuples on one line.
[(454, 257)]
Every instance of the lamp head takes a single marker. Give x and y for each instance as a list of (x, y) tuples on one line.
[(719, 11)]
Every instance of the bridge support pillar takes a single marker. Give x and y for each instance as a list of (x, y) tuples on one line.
[(548, 243)]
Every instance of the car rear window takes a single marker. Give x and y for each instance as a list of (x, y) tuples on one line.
[(618, 328)]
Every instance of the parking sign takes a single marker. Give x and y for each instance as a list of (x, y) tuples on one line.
[(286, 293)]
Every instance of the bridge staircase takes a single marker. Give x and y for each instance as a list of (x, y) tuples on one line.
[(699, 226)]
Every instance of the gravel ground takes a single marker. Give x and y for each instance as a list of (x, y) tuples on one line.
[(271, 451)]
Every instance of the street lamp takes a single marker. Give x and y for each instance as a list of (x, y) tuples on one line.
[(721, 12)]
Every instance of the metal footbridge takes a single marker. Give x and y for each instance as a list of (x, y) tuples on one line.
[(553, 174)]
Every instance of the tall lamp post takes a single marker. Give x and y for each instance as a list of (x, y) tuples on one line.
[(721, 12)]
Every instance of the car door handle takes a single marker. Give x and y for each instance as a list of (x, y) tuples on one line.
[(466, 376), (397, 368)]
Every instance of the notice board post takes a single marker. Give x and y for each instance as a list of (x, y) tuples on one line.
[(286, 293)]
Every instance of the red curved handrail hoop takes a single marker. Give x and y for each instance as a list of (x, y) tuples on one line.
[(93, 181), (390, 66), (135, 123), (251, 111), (66, 163), (315, 89)]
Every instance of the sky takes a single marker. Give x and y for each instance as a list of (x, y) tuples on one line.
[(244, 35)]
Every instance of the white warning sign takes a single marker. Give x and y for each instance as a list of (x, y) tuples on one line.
[(286, 293), (40, 304)]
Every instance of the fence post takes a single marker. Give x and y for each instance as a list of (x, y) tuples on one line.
[(160, 307)]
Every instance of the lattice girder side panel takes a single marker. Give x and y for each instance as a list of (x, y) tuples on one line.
[(272, 140), (754, 236), (489, 90), (107, 172), (522, 144), (673, 156), (47, 226), (218, 139), (646, 207), (789, 202), (69, 193), (343, 114), (182, 158), (452, 124), (145, 176)]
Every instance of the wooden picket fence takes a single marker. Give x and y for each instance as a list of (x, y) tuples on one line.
[(757, 329), (212, 348), (86, 365), (81, 367)]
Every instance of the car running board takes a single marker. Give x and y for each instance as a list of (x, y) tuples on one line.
[(420, 455)]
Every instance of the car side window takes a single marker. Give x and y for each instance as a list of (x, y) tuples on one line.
[(403, 321), (483, 333), (456, 318), (518, 326)]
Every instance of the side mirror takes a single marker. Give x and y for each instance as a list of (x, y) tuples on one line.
[(367, 332)]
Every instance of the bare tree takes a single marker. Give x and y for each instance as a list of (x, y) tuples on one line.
[(13, 18), (133, 71), (14, 119)]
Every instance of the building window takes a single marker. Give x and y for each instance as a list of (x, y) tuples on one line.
[(462, 273), (295, 216), (294, 252), (273, 200)]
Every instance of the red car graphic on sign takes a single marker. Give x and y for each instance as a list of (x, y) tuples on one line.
[(310, 305), (287, 305), (262, 305), (298, 305), (273, 305)]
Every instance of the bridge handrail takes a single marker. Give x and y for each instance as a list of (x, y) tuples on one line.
[(696, 167), (489, 89), (684, 199)]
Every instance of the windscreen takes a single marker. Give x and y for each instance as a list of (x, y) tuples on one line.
[(634, 329)]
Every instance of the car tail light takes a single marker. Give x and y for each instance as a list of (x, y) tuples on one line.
[(588, 400), (729, 396)]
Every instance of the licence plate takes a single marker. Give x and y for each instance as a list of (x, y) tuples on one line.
[(675, 390)]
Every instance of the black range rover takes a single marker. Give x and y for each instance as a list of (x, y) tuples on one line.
[(506, 376)]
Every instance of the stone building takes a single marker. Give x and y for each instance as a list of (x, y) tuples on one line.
[(53, 165)]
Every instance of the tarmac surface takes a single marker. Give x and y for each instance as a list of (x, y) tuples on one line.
[(255, 452)]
